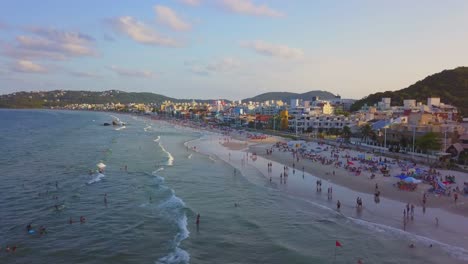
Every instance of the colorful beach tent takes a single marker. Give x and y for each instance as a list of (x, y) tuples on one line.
[(441, 185), (411, 180)]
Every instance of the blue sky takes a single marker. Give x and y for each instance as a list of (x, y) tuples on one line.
[(228, 48)]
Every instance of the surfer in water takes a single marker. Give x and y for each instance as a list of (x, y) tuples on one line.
[(198, 220), (82, 219), (105, 199)]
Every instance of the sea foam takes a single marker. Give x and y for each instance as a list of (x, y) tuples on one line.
[(174, 208), (170, 158)]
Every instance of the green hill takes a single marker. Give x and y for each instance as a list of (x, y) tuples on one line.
[(450, 85), (287, 96), (61, 98)]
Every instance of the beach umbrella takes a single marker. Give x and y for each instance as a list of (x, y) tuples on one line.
[(401, 176)]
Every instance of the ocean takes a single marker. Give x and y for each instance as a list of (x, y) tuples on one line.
[(154, 187)]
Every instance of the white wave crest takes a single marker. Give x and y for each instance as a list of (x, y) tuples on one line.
[(158, 170), (170, 158), (175, 207), (177, 256)]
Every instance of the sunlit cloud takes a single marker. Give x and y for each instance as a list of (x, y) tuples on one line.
[(223, 65), (140, 32), (274, 50), (247, 7), (168, 17), (51, 44), (131, 73), (26, 66), (84, 74)]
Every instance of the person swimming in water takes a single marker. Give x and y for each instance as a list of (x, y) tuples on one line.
[(70, 221), (82, 219), (42, 230)]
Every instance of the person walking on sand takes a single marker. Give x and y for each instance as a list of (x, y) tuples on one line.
[(455, 197)]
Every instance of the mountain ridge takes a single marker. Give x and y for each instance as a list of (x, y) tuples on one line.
[(450, 85), (44, 99), (287, 96)]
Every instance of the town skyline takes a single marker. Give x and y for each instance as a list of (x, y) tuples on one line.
[(230, 49)]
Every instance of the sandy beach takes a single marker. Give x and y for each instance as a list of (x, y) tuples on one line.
[(363, 182), (249, 157)]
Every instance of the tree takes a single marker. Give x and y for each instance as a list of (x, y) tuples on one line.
[(366, 131), (463, 158), (404, 141), (430, 141), (346, 133)]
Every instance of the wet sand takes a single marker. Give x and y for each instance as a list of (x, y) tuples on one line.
[(451, 232)]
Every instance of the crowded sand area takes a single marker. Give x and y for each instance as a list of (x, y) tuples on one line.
[(363, 182), (441, 222)]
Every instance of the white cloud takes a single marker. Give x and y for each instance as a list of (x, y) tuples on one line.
[(51, 44), (219, 66), (131, 73), (27, 66), (247, 7), (274, 50), (84, 74), (140, 32), (168, 17), (191, 2)]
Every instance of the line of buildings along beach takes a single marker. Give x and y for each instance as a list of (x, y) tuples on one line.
[(393, 126)]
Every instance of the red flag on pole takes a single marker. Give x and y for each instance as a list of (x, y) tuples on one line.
[(338, 244)]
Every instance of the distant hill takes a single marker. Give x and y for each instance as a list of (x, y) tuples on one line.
[(450, 85), (61, 98), (287, 96)]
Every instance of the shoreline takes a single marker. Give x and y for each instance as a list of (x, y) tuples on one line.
[(376, 216), (451, 235), (364, 184), (234, 148)]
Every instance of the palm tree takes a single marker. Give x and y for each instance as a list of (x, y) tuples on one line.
[(430, 141), (366, 131), (346, 133)]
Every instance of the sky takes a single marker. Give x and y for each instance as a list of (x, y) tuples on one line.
[(229, 49)]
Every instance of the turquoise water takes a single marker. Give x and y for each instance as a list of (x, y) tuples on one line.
[(151, 208)]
